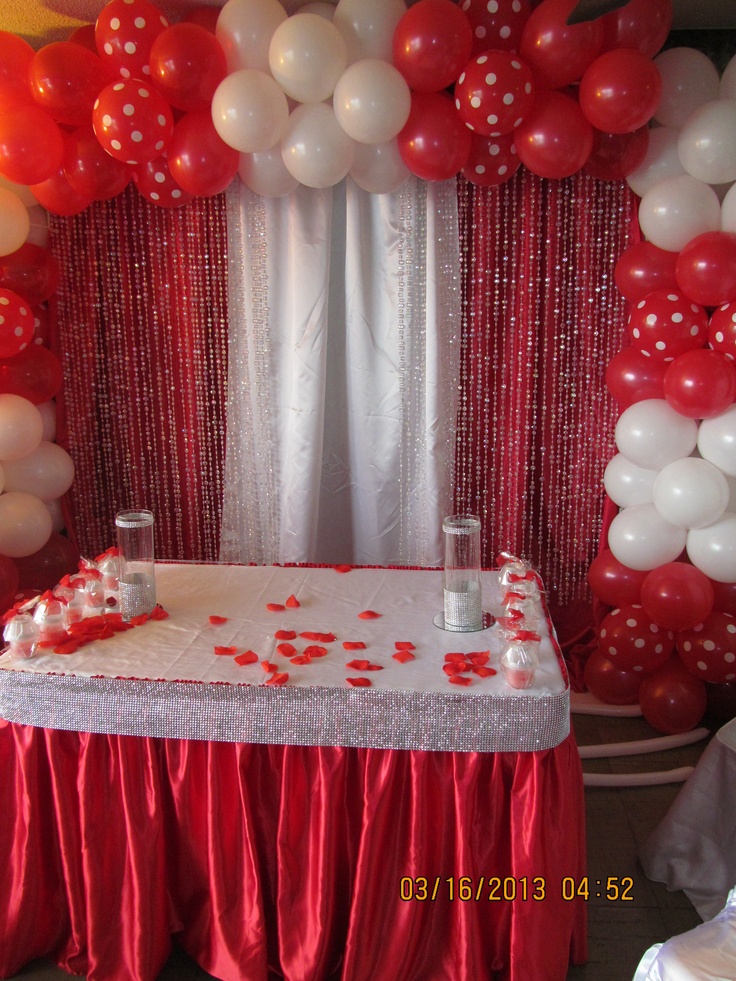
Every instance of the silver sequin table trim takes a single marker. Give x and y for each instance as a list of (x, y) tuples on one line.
[(295, 716)]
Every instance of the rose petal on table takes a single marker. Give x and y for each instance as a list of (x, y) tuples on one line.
[(358, 665), (106, 632), (275, 607), (288, 650), (158, 613), (343, 568), (404, 656), (455, 657), (321, 638), (215, 620), (139, 620), (353, 645), (459, 679), (359, 682), (374, 667), (369, 615), (268, 667), (228, 651), (452, 668), (247, 657), (278, 679), (301, 659), (292, 603), (314, 650), (70, 647), (479, 657), (404, 645), (285, 634), (483, 672)]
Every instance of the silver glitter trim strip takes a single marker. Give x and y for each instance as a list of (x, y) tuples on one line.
[(291, 716)]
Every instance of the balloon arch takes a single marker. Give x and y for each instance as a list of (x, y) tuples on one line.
[(379, 91)]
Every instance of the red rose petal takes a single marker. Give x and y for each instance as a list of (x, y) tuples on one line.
[(288, 650), (459, 679), (452, 668), (293, 603), (301, 659), (484, 672), (69, 648), (343, 568), (285, 634), (315, 651), (226, 650), (268, 667), (247, 657), (278, 679), (320, 637), (404, 656), (353, 645), (275, 607), (480, 658), (374, 667), (369, 615), (358, 665), (158, 613), (214, 619), (359, 682), (454, 657), (138, 621), (404, 645)]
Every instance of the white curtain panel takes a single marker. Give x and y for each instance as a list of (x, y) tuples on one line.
[(344, 340)]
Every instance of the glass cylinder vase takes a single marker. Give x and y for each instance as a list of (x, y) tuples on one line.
[(136, 577), (463, 608)]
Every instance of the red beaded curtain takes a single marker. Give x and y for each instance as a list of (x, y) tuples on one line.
[(142, 334), (541, 320)]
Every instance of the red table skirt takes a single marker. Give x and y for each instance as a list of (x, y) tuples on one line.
[(304, 863)]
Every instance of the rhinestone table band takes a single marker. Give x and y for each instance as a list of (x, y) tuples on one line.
[(313, 716)]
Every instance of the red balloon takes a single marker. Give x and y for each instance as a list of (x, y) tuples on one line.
[(65, 81), (9, 580), (132, 121), (630, 639), (556, 52), (614, 583), (90, 170), (632, 377), (665, 324), (722, 330), (608, 683), (31, 145), (57, 195), (498, 25), (616, 155), (85, 35), (35, 374), (31, 271), (204, 16), (494, 93), (672, 700), (200, 162), (640, 24), (555, 139), (43, 569), (435, 143), (620, 91), (155, 183), (493, 160), (15, 57), (16, 323), (677, 596), (644, 268), (124, 34), (709, 650), (432, 44), (187, 64), (700, 384), (706, 268)]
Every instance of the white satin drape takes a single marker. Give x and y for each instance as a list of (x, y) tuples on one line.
[(344, 313)]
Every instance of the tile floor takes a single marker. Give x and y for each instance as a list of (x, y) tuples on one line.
[(618, 820)]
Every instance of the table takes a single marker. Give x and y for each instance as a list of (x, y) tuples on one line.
[(412, 830)]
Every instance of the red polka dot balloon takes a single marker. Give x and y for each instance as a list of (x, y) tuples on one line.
[(156, 184), (124, 34), (722, 330), (494, 93), (496, 23), (16, 323), (709, 650), (132, 121), (493, 160), (665, 324), (631, 640)]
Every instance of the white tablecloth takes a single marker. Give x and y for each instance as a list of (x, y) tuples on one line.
[(163, 678)]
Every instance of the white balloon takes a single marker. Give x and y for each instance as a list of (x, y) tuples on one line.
[(372, 101), (15, 222), (641, 539), (368, 28), (690, 493), (57, 517), (244, 29), (661, 160), (21, 190), (713, 549), (307, 56), (47, 472), (249, 110), (728, 80), (21, 427), (677, 209), (315, 148), (728, 210), (378, 167), (651, 434), (689, 80), (25, 524), (717, 440), (266, 174), (707, 142), (627, 483)]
